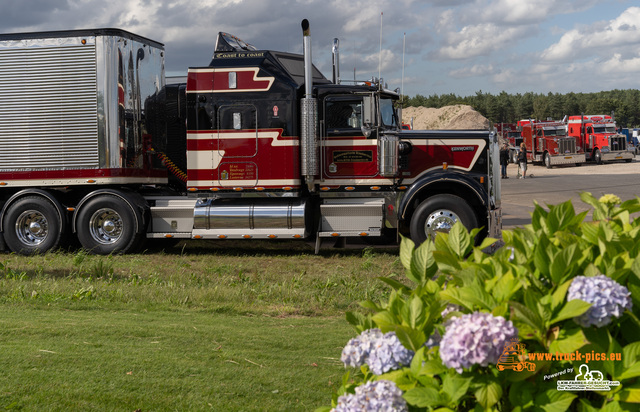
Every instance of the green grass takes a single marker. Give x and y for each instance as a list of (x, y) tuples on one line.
[(234, 328)]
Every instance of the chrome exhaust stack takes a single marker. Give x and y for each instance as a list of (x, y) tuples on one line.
[(336, 61), (309, 114)]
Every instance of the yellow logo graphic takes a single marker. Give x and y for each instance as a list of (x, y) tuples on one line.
[(514, 357)]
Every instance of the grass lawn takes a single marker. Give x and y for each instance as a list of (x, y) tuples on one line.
[(231, 329)]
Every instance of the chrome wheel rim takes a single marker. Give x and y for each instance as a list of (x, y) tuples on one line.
[(105, 226), (441, 220), (32, 227)]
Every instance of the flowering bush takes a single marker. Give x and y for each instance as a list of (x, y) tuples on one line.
[(473, 339), (607, 297), (560, 285)]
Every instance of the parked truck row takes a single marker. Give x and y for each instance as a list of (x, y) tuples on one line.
[(573, 140), (96, 147)]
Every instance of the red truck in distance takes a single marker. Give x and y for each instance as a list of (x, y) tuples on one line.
[(547, 142), (598, 137)]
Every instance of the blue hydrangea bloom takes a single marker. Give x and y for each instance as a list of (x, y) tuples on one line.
[(373, 396), (607, 297), (356, 353), (388, 354), (382, 352), (477, 338)]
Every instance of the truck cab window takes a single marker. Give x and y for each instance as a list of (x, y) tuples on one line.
[(343, 114), (388, 113)]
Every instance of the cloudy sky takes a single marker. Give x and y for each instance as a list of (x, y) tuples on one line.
[(448, 46)]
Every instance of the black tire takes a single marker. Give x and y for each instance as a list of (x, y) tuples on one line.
[(438, 214), (32, 225), (547, 160), (107, 225), (597, 157)]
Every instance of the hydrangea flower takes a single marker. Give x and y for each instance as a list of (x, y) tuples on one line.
[(388, 354), (356, 353), (373, 396), (382, 352), (607, 297), (477, 338), (610, 200)]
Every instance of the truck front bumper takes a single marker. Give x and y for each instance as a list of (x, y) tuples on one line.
[(567, 159), (611, 156)]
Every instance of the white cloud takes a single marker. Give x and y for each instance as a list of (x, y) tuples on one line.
[(479, 40), (597, 39), (474, 71)]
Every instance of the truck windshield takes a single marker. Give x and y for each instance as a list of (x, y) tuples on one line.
[(560, 131), (602, 128), (388, 113)]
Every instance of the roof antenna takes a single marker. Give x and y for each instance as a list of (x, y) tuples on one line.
[(404, 39), (380, 54)]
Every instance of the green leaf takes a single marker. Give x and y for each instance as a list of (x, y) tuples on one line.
[(423, 397), (416, 312), (410, 338), (406, 252), (630, 354), (526, 315), (554, 400), (417, 361), (459, 240), (571, 309), (569, 341), (384, 320), (393, 283), (488, 393), (558, 296), (629, 393), (423, 265), (632, 371), (455, 386)]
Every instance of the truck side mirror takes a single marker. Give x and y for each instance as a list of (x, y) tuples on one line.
[(368, 115)]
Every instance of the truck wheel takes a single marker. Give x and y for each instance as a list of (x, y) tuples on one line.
[(597, 157), (438, 214), (32, 225), (106, 225), (547, 160)]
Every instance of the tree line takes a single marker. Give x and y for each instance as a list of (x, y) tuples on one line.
[(509, 108)]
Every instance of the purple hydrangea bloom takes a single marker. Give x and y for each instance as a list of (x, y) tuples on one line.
[(472, 339), (388, 354), (356, 353), (607, 297), (381, 352), (373, 396)]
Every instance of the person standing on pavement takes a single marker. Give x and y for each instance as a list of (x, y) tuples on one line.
[(522, 161), (504, 160)]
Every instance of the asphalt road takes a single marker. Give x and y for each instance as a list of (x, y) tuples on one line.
[(562, 183)]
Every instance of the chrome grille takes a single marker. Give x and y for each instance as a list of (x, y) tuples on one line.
[(566, 145), (48, 107)]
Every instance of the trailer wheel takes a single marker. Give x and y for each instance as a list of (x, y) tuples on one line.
[(597, 157), (438, 214), (32, 225), (547, 160), (106, 225)]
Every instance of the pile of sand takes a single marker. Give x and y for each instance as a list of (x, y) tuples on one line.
[(459, 117)]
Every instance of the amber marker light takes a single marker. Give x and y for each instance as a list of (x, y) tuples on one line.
[(192, 189), (297, 236), (287, 188), (214, 189), (91, 181), (325, 188), (350, 188), (260, 189), (238, 189), (375, 187), (197, 237), (445, 166), (481, 179), (402, 187), (3, 183), (222, 236), (272, 236), (168, 236), (364, 234), (71, 209), (335, 234), (247, 236)]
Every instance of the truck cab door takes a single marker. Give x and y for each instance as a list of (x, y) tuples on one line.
[(346, 153), (237, 148)]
